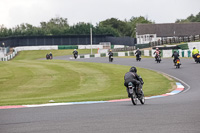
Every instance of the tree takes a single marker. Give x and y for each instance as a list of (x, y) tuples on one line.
[(3, 31), (190, 18), (119, 25), (99, 30), (60, 26), (137, 20), (56, 26), (80, 28)]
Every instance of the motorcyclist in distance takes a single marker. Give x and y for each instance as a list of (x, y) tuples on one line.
[(138, 53), (157, 52), (110, 54), (195, 52), (47, 56), (75, 53), (132, 76), (176, 56), (51, 56)]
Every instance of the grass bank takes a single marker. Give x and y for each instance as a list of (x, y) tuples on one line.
[(37, 54), (29, 81)]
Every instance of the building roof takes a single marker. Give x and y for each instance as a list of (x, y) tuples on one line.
[(169, 29)]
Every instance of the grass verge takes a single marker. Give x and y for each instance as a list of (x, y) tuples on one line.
[(26, 81), (36, 54)]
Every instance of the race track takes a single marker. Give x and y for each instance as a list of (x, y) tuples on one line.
[(172, 114)]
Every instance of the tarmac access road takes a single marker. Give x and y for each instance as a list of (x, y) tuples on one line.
[(175, 114)]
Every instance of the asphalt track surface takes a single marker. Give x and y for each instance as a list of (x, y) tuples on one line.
[(172, 114)]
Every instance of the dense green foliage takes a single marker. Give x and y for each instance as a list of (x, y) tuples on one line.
[(191, 18), (60, 26)]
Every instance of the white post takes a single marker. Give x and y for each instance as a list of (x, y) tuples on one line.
[(91, 38), (4, 49)]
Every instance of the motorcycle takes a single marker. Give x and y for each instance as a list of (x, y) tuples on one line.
[(50, 56), (158, 59), (75, 56), (197, 59), (134, 94), (47, 56), (138, 57), (110, 58), (177, 63)]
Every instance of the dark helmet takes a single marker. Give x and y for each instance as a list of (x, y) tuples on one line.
[(133, 69), (194, 48)]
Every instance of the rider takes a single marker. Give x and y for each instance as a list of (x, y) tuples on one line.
[(110, 54), (132, 76), (75, 53), (176, 56), (195, 52), (157, 52), (47, 56), (138, 52), (50, 56)]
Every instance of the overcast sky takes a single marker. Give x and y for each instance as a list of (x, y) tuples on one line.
[(15, 12)]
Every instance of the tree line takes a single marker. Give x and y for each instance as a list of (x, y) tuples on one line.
[(190, 18), (60, 26)]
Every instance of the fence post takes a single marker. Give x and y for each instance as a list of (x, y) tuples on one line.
[(189, 53), (183, 53)]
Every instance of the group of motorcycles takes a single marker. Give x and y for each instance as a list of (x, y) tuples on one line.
[(177, 62), (49, 56), (132, 89)]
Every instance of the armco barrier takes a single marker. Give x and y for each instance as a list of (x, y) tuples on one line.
[(9, 57), (165, 54), (67, 47), (54, 47)]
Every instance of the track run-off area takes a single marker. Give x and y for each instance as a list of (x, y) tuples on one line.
[(174, 113)]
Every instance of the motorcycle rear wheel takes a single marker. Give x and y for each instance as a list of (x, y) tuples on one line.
[(134, 98)]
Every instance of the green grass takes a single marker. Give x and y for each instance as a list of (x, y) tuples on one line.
[(29, 81), (36, 54)]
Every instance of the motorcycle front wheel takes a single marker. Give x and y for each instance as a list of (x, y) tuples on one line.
[(142, 99)]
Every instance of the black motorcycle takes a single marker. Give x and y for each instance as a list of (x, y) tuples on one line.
[(197, 59), (75, 56), (158, 59), (138, 57), (134, 94), (47, 57), (177, 63), (110, 58)]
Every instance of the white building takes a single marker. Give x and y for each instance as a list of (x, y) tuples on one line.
[(146, 33)]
